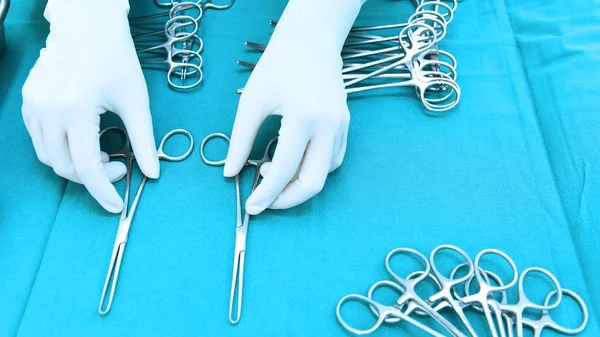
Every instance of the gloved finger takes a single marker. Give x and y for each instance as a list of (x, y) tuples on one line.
[(115, 170), (135, 113), (291, 145), (338, 156), (312, 175), (265, 168), (84, 142), (37, 138), (55, 139), (251, 113)]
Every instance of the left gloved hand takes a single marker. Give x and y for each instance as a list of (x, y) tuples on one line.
[(298, 77), (89, 66)]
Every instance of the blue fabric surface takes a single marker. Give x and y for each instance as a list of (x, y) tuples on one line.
[(514, 167)]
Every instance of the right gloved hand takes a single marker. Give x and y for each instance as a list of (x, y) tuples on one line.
[(89, 66), (299, 77)]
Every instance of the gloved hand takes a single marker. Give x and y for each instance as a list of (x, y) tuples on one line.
[(298, 77), (89, 66)]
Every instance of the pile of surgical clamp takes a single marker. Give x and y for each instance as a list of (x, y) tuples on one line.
[(176, 45), (502, 318), (408, 59)]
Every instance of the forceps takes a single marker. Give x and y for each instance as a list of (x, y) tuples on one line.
[(112, 277), (412, 49), (546, 322), (241, 231), (516, 310), (484, 296), (447, 284), (205, 4), (405, 286), (178, 68), (183, 43), (383, 312)]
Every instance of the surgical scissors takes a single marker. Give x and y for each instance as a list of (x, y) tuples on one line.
[(241, 231), (127, 215)]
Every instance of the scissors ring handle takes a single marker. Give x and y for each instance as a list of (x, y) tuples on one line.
[(526, 303), (267, 156), (163, 4), (210, 5), (584, 311), (184, 6), (434, 55), (407, 251), (443, 279), (203, 145), (179, 71), (113, 128), (432, 19), (187, 45), (435, 105), (380, 310), (448, 15), (161, 148), (479, 271), (125, 151), (395, 287), (440, 69), (416, 46), (175, 23), (453, 7)]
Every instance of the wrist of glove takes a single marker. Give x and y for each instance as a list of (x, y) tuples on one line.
[(322, 24), (93, 24)]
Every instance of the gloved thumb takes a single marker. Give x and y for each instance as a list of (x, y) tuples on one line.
[(135, 113)]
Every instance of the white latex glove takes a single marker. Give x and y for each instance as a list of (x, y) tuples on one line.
[(298, 77), (89, 66)]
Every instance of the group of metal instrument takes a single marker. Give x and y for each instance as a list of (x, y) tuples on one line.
[(171, 38), (411, 58), (469, 287)]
